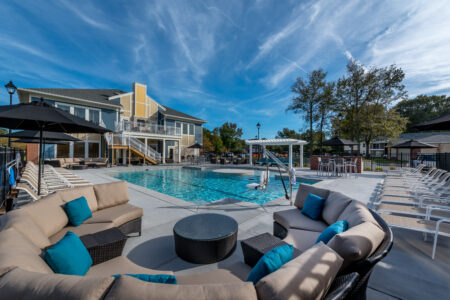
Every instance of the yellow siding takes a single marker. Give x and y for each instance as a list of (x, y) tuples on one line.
[(125, 101), (141, 100), (185, 140)]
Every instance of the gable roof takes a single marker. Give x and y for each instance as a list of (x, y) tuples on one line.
[(178, 114), (442, 137), (94, 95)]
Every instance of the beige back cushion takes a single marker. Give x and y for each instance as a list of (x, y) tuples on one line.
[(22, 284), (17, 251), (334, 206), (356, 213), (307, 276), (68, 160), (86, 191), (111, 194), (48, 213), (357, 243), (304, 190), (22, 222), (130, 288)]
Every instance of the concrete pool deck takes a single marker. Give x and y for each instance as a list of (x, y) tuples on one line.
[(408, 272)]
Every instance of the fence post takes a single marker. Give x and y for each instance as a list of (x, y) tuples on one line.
[(401, 160)]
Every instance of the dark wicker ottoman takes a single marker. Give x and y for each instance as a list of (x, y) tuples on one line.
[(205, 238), (104, 245), (255, 247)]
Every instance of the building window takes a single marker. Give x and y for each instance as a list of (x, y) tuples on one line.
[(79, 112), (185, 128), (62, 150), (78, 149), (191, 129), (93, 150), (94, 116), (64, 107)]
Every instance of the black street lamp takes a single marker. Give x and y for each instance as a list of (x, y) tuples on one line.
[(258, 126), (11, 88)]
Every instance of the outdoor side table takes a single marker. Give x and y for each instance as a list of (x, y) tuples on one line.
[(104, 245), (205, 238), (255, 247)]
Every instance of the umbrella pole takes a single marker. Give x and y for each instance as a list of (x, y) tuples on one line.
[(40, 154)]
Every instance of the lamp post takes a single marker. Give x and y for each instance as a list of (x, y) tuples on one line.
[(258, 126), (11, 88)]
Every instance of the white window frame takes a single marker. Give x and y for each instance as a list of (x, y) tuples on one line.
[(188, 125)]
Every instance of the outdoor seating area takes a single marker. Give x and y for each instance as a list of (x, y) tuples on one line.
[(343, 263), (74, 163), (417, 200), (336, 165)]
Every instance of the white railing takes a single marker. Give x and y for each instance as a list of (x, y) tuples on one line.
[(146, 127), (125, 140)]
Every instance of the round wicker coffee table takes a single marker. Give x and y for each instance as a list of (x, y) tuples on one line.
[(205, 238)]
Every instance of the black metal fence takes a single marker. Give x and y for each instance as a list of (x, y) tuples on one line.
[(8, 161), (438, 160), (443, 161)]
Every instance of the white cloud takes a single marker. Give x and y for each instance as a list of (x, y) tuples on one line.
[(93, 21)]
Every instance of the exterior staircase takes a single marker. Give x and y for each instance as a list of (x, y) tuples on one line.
[(121, 141)]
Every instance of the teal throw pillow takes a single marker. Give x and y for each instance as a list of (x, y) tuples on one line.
[(69, 256), (160, 278), (77, 211), (313, 206), (270, 262), (332, 230)]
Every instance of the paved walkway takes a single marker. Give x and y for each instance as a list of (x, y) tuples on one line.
[(406, 273)]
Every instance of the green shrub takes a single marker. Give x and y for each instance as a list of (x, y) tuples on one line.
[(367, 169), (392, 168), (379, 169)]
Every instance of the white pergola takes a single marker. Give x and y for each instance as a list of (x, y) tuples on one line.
[(278, 142)]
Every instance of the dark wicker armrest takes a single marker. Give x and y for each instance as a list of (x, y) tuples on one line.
[(341, 286)]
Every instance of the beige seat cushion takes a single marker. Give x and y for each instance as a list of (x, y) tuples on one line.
[(21, 284), (81, 230), (301, 239), (16, 250), (304, 190), (356, 213), (130, 288), (111, 194), (117, 215), (334, 206), (21, 220), (293, 218), (68, 160), (48, 213), (357, 243), (74, 193), (213, 277), (307, 276), (121, 265)]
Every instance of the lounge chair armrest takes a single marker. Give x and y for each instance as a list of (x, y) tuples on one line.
[(431, 208)]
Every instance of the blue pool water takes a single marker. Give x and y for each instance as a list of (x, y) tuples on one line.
[(197, 186)]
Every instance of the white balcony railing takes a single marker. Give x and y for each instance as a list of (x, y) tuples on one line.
[(146, 127), (125, 140)]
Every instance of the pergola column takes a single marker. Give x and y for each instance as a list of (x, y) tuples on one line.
[(251, 154), (290, 156), (301, 156)]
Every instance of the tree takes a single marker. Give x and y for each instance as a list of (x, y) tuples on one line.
[(310, 92), (212, 141), (326, 104), (287, 133), (422, 109), (362, 87), (230, 135)]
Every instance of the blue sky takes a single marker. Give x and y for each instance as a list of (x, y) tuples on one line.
[(220, 60)]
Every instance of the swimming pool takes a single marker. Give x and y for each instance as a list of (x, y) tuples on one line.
[(196, 186)]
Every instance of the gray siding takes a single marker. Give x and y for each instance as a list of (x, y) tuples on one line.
[(109, 117)]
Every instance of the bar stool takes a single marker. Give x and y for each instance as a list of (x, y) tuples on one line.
[(353, 166), (339, 167)]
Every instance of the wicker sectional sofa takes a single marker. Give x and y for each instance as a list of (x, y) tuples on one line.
[(27, 231)]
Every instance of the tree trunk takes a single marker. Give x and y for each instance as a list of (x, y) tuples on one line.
[(321, 130)]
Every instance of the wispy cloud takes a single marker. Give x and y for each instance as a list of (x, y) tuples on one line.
[(83, 15)]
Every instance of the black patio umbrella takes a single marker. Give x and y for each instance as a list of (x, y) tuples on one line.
[(36, 141), (41, 116), (46, 135), (441, 123), (196, 146), (412, 144)]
